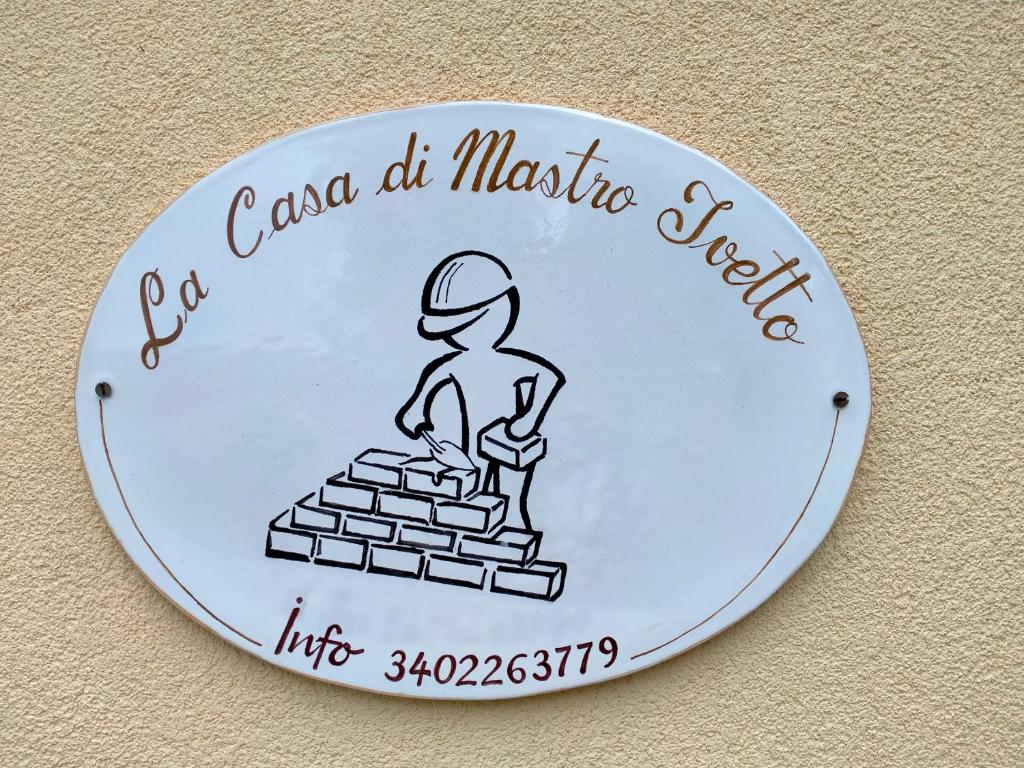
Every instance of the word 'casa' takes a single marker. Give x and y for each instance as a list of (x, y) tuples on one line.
[(286, 210), (674, 226)]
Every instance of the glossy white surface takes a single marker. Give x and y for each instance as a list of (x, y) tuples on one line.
[(684, 448)]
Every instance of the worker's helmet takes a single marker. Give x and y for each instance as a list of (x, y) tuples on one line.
[(459, 290)]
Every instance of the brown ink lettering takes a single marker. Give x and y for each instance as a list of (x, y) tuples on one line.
[(151, 294), (671, 225), (246, 196), (407, 178)]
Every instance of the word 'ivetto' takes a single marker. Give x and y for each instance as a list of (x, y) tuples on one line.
[(675, 227)]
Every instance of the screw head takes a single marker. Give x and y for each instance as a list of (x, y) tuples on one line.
[(840, 399), (103, 389)]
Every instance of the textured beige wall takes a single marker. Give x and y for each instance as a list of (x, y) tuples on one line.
[(892, 135)]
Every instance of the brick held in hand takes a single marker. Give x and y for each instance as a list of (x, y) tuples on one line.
[(495, 443), (433, 477), (368, 527), (286, 544), (378, 467), (405, 506), (509, 545), (426, 538), (308, 516), (456, 570), (338, 492), (396, 561), (541, 580), (481, 514), (339, 552)]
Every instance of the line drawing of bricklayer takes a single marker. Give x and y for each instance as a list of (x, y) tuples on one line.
[(437, 528)]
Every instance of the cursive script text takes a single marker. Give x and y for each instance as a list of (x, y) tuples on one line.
[(315, 647)]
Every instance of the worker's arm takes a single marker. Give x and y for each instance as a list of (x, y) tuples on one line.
[(542, 385), (414, 417)]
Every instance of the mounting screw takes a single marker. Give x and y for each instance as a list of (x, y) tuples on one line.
[(840, 399), (104, 390)]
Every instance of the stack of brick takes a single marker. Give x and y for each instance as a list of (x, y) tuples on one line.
[(395, 515)]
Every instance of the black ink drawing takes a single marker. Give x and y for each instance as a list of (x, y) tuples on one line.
[(459, 513)]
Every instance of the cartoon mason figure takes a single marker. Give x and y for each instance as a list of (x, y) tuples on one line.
[(470, 302)]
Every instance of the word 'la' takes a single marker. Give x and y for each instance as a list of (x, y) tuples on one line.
[(151, 294)]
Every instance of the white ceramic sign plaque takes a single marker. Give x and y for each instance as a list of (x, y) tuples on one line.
[(471, 400)]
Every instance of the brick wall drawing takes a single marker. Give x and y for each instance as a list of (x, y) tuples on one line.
[(459, 516), (392, 514)]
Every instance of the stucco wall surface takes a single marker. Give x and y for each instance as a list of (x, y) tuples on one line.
[(892, 134)]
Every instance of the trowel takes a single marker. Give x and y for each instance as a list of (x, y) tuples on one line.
[(448, 453)]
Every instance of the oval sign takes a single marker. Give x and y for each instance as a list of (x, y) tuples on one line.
[(473, 400)]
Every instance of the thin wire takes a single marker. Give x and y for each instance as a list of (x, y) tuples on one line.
[(186, 590)]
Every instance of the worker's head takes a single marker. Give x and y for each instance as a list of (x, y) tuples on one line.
[(469, 301)]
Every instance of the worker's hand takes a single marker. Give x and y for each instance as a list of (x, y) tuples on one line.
[(520, 428)]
